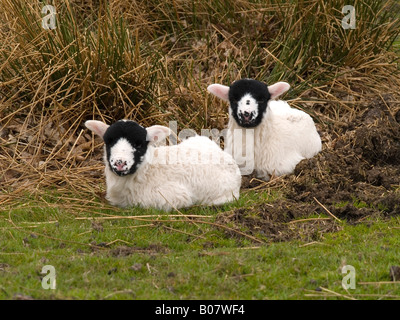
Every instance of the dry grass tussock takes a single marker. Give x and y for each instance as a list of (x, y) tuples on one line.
[(152, 61)]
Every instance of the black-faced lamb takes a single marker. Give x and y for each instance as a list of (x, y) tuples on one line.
[(196, 171), (283, 136)]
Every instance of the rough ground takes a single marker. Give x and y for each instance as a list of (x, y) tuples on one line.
[(357, 175)]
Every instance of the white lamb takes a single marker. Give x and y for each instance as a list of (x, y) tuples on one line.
[(283, 136), (196, 171)]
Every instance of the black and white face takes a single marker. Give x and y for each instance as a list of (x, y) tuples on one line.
[(126, 144), (248, 101)]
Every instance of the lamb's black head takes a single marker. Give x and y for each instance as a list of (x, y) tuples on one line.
[(126, 143), (248, 99), (125, 146)]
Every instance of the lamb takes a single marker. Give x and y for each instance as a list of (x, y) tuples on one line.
[(283, 136), (196, 171)]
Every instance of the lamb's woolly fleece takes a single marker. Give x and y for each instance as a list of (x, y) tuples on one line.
[(173, 177), (283, 138)]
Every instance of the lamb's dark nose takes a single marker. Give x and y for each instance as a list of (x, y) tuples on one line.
[(120, 165), (247, 116)]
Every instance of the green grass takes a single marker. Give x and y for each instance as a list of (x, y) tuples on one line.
[(118, 259)]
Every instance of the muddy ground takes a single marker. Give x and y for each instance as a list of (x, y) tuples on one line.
[(356, 176)]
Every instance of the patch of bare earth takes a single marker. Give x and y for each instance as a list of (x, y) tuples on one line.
[(355, 176)]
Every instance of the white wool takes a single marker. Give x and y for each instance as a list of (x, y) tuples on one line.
[(195, 171), (284, 137)]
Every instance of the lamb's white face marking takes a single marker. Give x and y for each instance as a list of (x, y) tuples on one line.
[(122, 156), (247, 109)]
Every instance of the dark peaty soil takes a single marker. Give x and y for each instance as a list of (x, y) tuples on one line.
[(356, 175)]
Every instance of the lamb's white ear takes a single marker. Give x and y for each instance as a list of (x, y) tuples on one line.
[(97, 127), (278, 88), (157, 133), (219, 90)]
